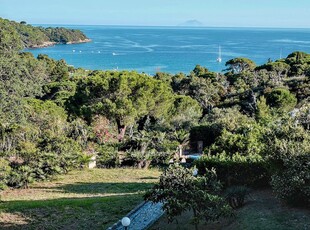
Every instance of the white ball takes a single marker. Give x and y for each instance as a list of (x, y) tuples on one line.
[(126, 221)]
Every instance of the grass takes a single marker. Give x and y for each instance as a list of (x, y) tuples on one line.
[(262, 211), (88, 199)]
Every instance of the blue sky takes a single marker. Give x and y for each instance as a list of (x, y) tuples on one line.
[(225, 13)]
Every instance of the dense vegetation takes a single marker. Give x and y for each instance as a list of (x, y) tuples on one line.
[(254, 120), (28, 36)]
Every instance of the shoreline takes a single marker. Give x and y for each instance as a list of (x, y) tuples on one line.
[(49, 43), (86, 40)]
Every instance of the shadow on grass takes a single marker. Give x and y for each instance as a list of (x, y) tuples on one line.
[(149, 178), (107, 202), (66, 213), (99, 188), (261, 211)]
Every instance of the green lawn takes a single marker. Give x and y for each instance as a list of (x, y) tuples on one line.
[(262, 211), (88, 199)]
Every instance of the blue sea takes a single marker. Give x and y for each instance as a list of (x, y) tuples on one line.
[(176, 49)]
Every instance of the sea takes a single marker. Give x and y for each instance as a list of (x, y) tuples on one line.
[(175, 49)]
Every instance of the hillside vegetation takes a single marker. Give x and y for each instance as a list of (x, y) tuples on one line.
[(28, 36)]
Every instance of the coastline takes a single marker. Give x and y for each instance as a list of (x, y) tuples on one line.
[(79, 41), (49, 43)]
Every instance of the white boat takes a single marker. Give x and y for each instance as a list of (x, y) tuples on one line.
[(219, 59)]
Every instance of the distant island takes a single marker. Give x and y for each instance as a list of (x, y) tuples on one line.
[(38, 37), (191, 23)]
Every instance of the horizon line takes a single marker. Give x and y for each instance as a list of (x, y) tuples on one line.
[(169, 26)]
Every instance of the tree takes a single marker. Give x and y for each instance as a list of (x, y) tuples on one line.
[(149, 147), (299, 63), (205, 92), (9, 38), (185, 113), (239, 65), (179, 191), (281, 99), (302, 115), (203, 72), (182, 137), (276, 71), (263, 110), (288, 153), (123, 97), (21, 75)]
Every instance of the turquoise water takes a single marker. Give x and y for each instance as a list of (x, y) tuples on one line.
[(175, 49)]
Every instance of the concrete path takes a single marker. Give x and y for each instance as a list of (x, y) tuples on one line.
[(142, 217)]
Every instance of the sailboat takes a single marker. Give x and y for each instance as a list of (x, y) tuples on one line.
[(219, 59)]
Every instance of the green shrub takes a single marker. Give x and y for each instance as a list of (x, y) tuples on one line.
[(293, 182), (236, 169), (53, 156), (5, 170), (282, 99), (290, 167), (66, 151), (180, 190), (107, 156), (235, 195), (84, 159), (46, 165), (21, 177)]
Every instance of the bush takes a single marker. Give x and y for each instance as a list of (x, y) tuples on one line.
[(236, 169), (288, 154), (235, 195), (21, 177), (5, 170), (282, 99), (182, 191), (290, 166), (107, 156), (52, 156), (66, 151), (293, 182), (46, 165)]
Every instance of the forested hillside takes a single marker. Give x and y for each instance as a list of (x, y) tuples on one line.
[(33, 37), (254, 120)]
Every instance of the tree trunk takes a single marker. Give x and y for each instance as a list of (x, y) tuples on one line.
[(180, 151), (144, 163), (121, 131), (140, 164), (147, 164)]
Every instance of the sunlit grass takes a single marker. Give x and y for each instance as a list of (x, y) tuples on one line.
[(80, 200)]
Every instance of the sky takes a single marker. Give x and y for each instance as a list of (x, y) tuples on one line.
[(218, 13)]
